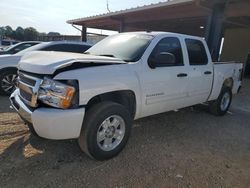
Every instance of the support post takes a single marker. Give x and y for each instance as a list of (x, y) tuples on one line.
[(122, 27), (214, 31), (84, 34)]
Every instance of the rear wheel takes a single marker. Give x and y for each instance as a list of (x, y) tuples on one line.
[(105, 131), (7, 81), (220, 106)]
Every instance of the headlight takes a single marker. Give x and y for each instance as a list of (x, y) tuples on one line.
[(55, 93)]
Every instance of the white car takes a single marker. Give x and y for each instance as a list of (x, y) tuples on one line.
[(94, 97), (8, 63), (13, 49)]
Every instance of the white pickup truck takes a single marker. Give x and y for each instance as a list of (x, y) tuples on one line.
[(95, 96)]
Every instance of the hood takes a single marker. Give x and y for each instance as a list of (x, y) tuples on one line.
[(48, 62), (9, 61)]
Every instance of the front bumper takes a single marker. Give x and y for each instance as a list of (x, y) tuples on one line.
[(50, 123)]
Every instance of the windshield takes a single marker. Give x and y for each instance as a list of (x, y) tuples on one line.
[(126, 46), (33, 48), (13, 46)]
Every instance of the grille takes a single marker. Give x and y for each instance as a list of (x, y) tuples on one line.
[(26, 80), (28, 88), (25, 95)]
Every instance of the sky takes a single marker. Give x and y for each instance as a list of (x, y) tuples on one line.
[(51, 15)]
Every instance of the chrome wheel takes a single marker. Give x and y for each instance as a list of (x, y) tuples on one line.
[(110, 133), (225, 101), (8, 83)]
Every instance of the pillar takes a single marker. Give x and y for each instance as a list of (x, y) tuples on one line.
[(214, 32), (84, 34)]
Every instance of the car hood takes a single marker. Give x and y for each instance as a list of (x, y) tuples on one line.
[(48, 62)]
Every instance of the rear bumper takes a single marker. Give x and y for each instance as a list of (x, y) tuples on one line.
[(50, 123)]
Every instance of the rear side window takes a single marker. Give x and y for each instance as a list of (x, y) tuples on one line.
[(67, 48), (196, 52)]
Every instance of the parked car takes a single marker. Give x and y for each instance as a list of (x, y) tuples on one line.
[(8, 63), (2, 48), (18, 47), (95, 96), (6, 42)]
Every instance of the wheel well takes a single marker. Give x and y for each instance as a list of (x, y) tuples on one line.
[(228, 83), (123, 97), (8, 68)]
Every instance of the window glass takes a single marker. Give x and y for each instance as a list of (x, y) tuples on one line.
[(78, 48), (23, 46), (170, 45), (196, 52), (67, 48), (126, 46)]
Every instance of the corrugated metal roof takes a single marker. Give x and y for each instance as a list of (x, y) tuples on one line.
[(135, 9)]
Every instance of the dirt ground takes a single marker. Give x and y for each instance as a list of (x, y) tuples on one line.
[(191, 148)]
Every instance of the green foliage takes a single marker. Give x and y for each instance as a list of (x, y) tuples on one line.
[(53, 34), (30, 34), (22, 34), (2, 32), (6, 32), (9, 32), (19, 33)]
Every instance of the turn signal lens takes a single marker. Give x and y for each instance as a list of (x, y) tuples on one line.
[(65, 101)]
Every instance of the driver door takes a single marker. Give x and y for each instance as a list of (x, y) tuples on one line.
[(164, 85)]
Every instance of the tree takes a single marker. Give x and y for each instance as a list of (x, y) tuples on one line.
[(42, 34), (19, 34), (8, 32), (30, 33), (22, 34), (2, 32), (54, 34)]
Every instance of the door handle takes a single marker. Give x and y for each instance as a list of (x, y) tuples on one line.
[(208, 72), (182, 75)]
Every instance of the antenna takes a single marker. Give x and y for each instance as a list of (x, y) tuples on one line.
[(108, 6)]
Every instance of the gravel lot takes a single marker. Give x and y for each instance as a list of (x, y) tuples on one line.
[(191, 148)]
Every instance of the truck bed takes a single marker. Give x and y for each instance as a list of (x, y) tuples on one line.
[(222, 71)]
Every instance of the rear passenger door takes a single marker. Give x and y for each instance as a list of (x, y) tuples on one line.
[(200, 71)]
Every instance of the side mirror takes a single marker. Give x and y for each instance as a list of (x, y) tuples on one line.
[(161, 60), (165, 58)]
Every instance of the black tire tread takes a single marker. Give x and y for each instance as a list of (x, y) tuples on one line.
[(214, 106), (92, 116), (3, 72)]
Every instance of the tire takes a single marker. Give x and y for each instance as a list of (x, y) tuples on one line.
[(7, 81), (111, 140), (220, 106)]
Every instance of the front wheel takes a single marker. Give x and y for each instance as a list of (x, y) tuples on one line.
[(221, 105), (105, 131), (7, 81)]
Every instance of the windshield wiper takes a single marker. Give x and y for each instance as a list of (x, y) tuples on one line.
[(106, 55)]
